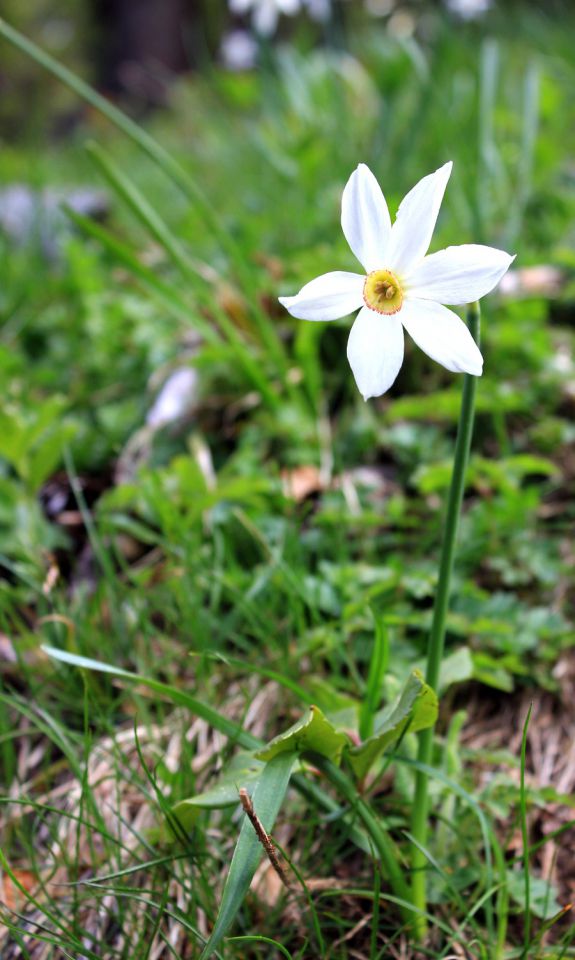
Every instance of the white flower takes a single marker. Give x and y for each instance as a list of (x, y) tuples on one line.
[(265, 13), (319, 9), (239, 50), (468, 9), (403, 287)]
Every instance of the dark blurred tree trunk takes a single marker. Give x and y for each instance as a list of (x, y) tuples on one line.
[(142, 44)]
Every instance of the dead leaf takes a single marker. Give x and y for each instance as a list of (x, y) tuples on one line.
[(300, 482)]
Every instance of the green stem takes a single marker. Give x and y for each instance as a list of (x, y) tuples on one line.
[(381, 841), (419, 822), (525, 836)]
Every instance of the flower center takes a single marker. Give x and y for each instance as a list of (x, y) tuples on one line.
[(382, 292)]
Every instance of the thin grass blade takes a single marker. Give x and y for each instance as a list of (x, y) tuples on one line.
[(377, 670)]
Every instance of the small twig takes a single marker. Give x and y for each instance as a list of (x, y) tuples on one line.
[(264, 838)]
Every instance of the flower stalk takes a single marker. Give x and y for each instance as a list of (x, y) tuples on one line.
[(419, 823)]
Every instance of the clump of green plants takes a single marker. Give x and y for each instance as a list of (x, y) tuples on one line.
[(234, 608)]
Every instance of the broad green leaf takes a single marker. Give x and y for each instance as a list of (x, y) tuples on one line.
[(242, 771), (493, 672), (543, 902), (267, 798), (415, 710), (456, 668), (442, 406), (312, 734), (505, 474)]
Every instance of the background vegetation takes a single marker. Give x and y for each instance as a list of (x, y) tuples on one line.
[(245, 548)]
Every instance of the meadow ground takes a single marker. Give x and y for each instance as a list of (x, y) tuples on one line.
[(242, 555)]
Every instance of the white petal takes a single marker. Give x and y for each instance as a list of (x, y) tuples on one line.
[(415, 222), (458, 274), (442, 335), (375, 351), (327, 297), (365, 218), (266, 17)]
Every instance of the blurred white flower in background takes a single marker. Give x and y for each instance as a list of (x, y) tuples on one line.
[(401, 288), (176, 397), (238, 50), (319, 9), (265, 13), (468, 9), (379, 8)]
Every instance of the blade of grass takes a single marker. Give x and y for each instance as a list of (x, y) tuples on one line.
[(28, 897), (171, 168), (144, 211), (529, 130), (534, 847), (300, 692), (375, 914), (465, 912), (321, 946), (149, 217), (487, 833), (377, 669), (126, 256), (267, 798), (405, 906), (211, 716), (261, 939), (124, 123), (382, 842)]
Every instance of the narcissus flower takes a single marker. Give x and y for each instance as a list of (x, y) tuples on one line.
[(265, 13), (402, 287)]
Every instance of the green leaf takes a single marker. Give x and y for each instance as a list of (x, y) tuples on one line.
[(267, 798), (220, 722), (456, 668), (312, 734), (415, 710), (442, 406), (217, 720), (242, 771), (32, 440), (543, 902)]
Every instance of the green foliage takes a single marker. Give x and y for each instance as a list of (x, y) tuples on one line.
[(311, 734), (32, 441), (267, 798), (244, 769), (222, 596), (415, 710)]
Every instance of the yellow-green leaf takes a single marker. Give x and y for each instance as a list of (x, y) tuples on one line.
[(314, 733), (415, 710)]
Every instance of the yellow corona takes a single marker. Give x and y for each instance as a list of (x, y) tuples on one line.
[(382, 292)]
